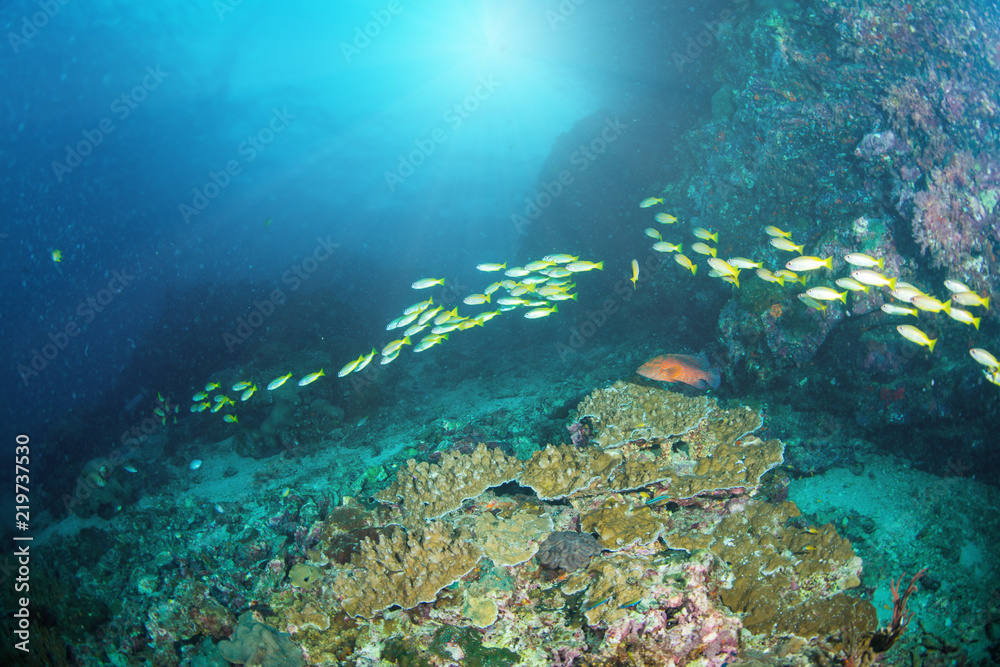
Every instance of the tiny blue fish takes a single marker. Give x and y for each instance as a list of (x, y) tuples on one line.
[(596, 605)]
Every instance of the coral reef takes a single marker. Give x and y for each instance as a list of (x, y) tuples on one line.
[(254, 643), (429, 491), (626, 412), (557, 472), (405, 568), (567, 550)]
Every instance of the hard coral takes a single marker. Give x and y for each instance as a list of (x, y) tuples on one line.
[(567, 550), (258, 645)]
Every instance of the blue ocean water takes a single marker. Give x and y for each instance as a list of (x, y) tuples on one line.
[(215, 214)]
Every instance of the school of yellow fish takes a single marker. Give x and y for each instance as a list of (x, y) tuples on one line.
[(536, 288), (866, 274)]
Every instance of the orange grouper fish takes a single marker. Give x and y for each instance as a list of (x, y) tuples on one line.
[(695, 371)]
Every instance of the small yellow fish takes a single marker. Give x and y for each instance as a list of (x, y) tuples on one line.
[(248, 393), (240, 386), (703, 249), (970, 299), (220, 398), (723, 267), (482, 318), (516, 272), (538, 265), (809, 263), (211, 386), (218, 406), (431, 313), (57, 255), (562, 296), (930, 305), (635, 272), (786, 245), (476, 299), (774, 232), (424, 283), (350, 366), (827, 294), (429, 341), (576, 267), (159, 412), (956, 286), (312, 377), (663, 246), (744, 263), (366, 360), (203, 406), (419, 307), (964, 316), (686, 263), (811, 302), (560, 258), (491, 267), (653, 233), (893, 309), (706, 235), (851, 284), (769, 277), (665, 218), (232, 419), (540, 312), (277, 382), (395, 345), (446, 315), (414, 329), (984, 357), (873, 278), (200, 396), (558, 272), (905, 291), (650, 201), (864, 261), (389, 358), (915, 335), (791, 276)]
